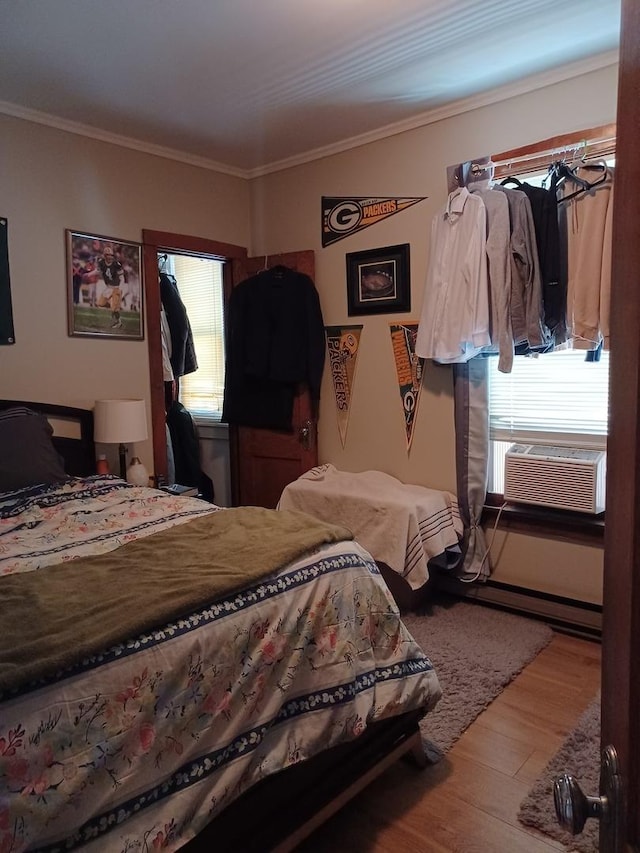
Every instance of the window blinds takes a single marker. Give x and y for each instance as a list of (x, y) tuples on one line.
[(200, 286), (554, 398)]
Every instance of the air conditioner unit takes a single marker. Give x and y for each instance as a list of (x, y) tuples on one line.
[(560, 477)]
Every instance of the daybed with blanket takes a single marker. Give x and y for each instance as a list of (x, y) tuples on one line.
[(170, 670), (410, 530)]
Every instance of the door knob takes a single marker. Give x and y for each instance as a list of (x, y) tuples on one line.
[(573, 808), (305, 434)]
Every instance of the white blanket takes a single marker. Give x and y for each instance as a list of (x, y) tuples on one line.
[(399, 524)]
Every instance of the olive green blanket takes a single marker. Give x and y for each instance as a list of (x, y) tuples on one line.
[(55, 617)]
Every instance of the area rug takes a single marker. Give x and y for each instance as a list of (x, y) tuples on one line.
[(580, 756), (476, 651)]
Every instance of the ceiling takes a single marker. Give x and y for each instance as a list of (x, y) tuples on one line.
[(252, 85)]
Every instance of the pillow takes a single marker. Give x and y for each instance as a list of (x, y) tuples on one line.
[(27, 454)]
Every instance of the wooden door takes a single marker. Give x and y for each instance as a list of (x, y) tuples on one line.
[(264, 461), (621, 621)]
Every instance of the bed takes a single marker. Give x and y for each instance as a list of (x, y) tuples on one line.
[(241, 709)]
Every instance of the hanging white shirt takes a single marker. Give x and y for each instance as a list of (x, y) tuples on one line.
[(165, 338), (454, 325)]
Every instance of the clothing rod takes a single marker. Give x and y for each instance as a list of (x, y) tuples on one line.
[(595, 147), (540, 161)]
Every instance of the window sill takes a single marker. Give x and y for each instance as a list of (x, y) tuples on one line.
[(543, 520), (211, 428)]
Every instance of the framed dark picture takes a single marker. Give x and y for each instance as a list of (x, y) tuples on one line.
[(104, 287), (378, 281), (7, 335)]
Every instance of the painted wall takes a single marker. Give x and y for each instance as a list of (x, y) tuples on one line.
[(51, 180), (286, 216)]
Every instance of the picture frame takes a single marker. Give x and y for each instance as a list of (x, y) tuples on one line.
[(104, 287), (378, 281)]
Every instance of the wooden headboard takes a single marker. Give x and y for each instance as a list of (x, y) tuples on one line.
[(72, 434)]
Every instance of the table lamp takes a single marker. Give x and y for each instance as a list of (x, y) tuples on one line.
[(120, 422)]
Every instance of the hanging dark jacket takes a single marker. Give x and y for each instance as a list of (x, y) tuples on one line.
[(186, 451), (183, 354), (275, 343), (544, 208)]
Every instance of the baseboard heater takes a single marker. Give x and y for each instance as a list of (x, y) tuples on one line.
[(579, 617)]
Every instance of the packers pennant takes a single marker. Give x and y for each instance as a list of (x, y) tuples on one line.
[(343, 343), (409, 370), (342, 217)]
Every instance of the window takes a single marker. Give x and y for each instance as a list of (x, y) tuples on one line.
[(552, 398), (200, 284)]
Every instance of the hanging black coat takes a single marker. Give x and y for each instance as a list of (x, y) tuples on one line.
[(275, 342), (544, 208), (183, 354), (186, 451)]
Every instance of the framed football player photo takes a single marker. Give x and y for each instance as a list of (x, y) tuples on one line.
[(104, 287), (378, 281)]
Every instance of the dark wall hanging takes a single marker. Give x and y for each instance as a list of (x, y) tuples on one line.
[(378, 281), (7, 335)]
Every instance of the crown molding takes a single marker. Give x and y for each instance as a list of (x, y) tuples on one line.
[(463, 105), (91, 132)]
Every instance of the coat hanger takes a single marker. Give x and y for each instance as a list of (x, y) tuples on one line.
[(585, 185), (564, 172), (279, 270), (600, 166), (510, 180)]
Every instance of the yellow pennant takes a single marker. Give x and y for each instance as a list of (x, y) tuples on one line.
[(409, 371), (343, 343)]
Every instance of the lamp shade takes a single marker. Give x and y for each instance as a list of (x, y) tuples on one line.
[(119, 421)]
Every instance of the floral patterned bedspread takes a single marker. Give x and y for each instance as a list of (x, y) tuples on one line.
[(142, 745), (45, 525)]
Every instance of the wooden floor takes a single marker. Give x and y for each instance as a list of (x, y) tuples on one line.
[(468, 802)]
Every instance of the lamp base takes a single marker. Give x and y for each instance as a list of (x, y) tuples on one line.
[(123, 461)]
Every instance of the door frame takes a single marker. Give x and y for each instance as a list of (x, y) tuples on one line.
[(621, 611), (154, 242)]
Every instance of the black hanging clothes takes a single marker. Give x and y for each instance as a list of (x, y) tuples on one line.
[(183, 354), (186, 451), (544, 208), (275, 342)]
